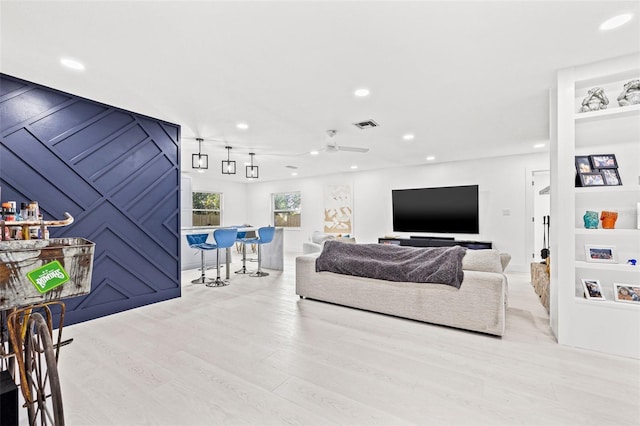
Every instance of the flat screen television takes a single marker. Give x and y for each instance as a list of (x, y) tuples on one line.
[(451, 209)]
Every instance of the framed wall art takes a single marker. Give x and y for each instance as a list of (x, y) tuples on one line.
[(604, 161), (600, 253), (592, 289), (338, 209), (592, 179), (611, 177), (627, 293), (583, 164)]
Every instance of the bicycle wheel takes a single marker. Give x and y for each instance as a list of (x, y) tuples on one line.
[(41, 367)]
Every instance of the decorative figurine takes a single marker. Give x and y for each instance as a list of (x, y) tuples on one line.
[(631, 94), (595, 101), (632, 262), (608, 219), (591, 220)]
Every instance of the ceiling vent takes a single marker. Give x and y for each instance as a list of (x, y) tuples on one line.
[(291, 167), (369, 124)]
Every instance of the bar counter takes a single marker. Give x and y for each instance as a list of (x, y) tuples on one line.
[(272, 253)]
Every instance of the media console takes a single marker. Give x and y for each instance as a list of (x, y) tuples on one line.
[(435, 242)]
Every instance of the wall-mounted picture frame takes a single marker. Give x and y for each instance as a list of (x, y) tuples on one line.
[(600, 253), (591, 179), (592, 289), (627, 293), (611, 177), (583, 164), (604, 161)]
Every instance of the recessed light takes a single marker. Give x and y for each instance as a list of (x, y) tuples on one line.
[(361, 93), (616, 21), (242, 126), (314, 153), (294, 173), (431, 158), (72, 64), (539, 145), (408, 137), (354, 167)]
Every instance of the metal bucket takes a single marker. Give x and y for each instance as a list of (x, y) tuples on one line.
[(18, 258)]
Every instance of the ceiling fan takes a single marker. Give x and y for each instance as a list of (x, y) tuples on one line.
[(332, 146)]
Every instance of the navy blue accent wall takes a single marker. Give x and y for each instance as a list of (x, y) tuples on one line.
[(116, 172)]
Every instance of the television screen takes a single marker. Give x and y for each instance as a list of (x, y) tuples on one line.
[(452, 209)]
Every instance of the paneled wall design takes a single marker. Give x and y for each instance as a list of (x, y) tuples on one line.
[(116, 172)]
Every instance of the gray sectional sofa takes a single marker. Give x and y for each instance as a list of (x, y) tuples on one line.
[(479, 305)]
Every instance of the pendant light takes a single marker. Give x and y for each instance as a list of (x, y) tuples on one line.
[(252, 171), (228, 167), (200, 161)]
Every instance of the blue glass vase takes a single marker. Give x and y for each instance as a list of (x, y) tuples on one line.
[(591, 220)]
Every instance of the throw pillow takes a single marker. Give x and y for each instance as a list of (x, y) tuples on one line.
[(320, 237), (482, 260)]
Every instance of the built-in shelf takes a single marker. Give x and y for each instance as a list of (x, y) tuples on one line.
[(623, 267), (606, 304), (613, 232), (576, 321), (607, 189), (605, 114)]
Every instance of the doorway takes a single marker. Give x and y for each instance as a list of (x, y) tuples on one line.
[(541, 207)]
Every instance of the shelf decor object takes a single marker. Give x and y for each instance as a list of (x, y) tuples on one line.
[(597, 170), (608, 219), (630, 94), (627, 293), (591, 220), (199, 161), (595, 100), (228, 167), (592, 289)]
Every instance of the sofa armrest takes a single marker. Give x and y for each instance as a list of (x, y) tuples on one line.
[(305, 270), (309, 247)]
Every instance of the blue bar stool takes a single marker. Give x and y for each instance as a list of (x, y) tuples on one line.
[(265, 236), (224, 238), (240, 239), (199, 242)]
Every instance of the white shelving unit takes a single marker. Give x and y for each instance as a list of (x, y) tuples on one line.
[(605, 326)]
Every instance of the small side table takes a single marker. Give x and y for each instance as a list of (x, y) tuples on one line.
[(540, 281)]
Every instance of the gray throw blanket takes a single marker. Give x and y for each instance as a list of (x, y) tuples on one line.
[(442, 265)]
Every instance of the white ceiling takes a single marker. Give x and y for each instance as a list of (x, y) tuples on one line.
[(469, 79)]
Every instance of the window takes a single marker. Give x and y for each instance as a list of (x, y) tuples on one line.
[(286, 209), (206, 209)]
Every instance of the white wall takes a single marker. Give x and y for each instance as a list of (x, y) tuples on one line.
[(502, 184)]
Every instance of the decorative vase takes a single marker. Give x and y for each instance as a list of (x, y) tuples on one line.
[(608, 219), (595, 100), (631, 94), (590, 220)]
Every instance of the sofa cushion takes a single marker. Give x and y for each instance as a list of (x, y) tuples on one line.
[(482, 260)]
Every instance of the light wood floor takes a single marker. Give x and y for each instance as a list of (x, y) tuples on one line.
[(253, 353)]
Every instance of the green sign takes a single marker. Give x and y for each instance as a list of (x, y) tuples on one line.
[(48, 277)]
